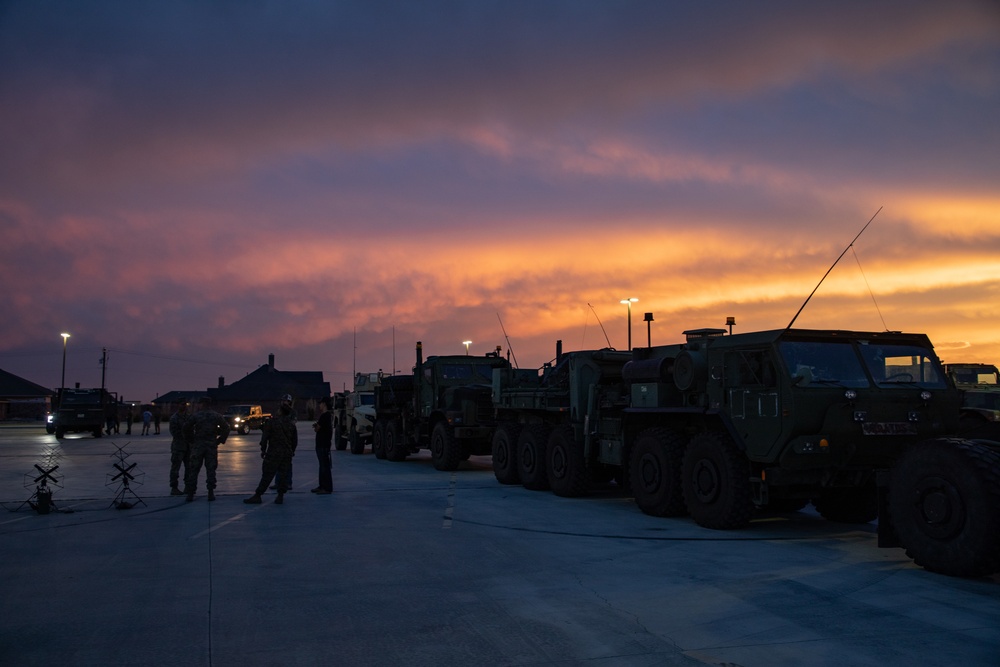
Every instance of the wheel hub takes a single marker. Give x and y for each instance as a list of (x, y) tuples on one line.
[(649, 473), (706, 481), (939, 507)]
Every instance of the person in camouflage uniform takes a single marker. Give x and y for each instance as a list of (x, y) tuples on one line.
[(180, 448), (206, 429), (277, 447)]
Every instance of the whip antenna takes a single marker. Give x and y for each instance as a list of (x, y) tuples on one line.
[(602, 326), (849, 246), (512, 355)]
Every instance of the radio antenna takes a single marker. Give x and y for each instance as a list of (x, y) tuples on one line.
[(513, 356), (602, 326), (849, 246)]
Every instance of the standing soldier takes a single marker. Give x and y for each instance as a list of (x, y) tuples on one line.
[(207, 429), (277, 447), (324, 442), (180, 448)]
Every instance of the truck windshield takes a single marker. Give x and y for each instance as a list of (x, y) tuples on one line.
[(902, 364), (826, 363)]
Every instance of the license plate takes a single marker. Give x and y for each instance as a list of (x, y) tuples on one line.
[(888, 428)]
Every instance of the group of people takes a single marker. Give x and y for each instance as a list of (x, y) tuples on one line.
[(196, 439)]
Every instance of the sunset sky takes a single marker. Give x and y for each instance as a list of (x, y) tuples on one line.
[(196, 185)]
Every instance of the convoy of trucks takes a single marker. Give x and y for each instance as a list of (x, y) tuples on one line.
[(860, 424)]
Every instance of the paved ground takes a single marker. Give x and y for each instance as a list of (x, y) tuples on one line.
[(405, 565)]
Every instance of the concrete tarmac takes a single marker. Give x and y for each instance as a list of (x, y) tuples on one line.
[(407, 565)]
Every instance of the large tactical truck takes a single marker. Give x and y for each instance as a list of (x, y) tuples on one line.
[(544, 420), (444, 406), (81, 411), (354, 416), (858, 423), (980, 384)]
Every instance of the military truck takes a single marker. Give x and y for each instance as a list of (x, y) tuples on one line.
[(81, 411), (980, 384), (858, 423), (354, 420), (444, 406), (243, 418), (543, 420)]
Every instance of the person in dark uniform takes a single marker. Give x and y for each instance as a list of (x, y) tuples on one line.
[(180, 448), (206, 429), (324, 442), (278, 442)]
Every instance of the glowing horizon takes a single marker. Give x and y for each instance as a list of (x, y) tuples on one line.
[(310, 180)]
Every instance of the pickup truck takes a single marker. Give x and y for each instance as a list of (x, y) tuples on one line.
[(242, 418)]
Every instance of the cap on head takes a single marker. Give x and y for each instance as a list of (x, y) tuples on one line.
[(287, 398)]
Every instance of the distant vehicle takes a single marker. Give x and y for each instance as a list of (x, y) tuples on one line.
[(80, 411), (980, 384), (242, 418), (444, 406), (354, 413)]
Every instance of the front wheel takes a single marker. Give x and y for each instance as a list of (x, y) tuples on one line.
[(944, 500), (715, 478), (244, 428), (655, 470), (357, 444), (445, 451), (505, 454)]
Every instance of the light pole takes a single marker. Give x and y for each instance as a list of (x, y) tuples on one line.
[(466, 343), (628, 302), (62, 384)]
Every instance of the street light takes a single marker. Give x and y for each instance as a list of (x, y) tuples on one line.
[(62, 385), (628, 302), (466, 343)]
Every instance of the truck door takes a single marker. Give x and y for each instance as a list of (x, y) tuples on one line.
[(754, 398)]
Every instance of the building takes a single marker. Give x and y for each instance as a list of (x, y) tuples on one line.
[(23, 400), (265, 387)]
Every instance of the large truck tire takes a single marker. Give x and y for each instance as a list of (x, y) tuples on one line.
[(446, 453), (392, 444), (378, 440), (339, 441), (504, 450), (944, 499), (565, 465), (357, 444), (531, 456), (854, 504), (655, 471), (715, 479)]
